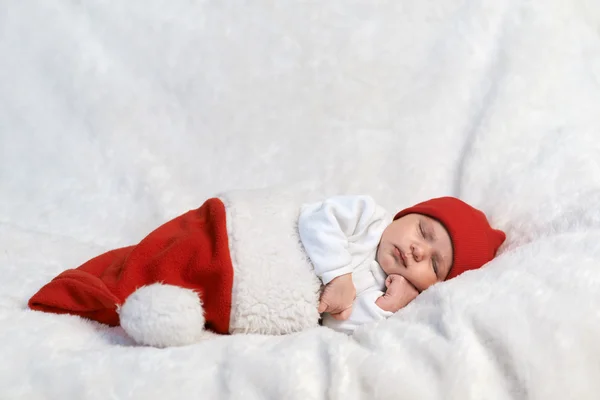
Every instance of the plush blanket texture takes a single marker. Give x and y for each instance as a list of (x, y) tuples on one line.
[(116, 116)]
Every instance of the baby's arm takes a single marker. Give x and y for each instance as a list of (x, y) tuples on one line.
[(375, 305), (337, 235), (364, 311), (336, 231), (398, 294)]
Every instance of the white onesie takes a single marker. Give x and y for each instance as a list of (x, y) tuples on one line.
[(340, 236)]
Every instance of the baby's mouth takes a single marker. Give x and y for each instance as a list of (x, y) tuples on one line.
[(398, 256)]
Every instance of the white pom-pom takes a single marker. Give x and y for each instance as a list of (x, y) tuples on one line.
[(163, 315)]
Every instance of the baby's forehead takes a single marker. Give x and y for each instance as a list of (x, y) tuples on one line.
[(441, 235)]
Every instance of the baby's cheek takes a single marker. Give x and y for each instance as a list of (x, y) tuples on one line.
[(426, 280), (388, 264)]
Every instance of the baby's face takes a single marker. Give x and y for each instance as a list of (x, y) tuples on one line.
[(417, 247)]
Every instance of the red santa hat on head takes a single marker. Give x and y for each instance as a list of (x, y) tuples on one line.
[(474, 241)]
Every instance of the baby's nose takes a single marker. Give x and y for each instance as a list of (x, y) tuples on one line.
[(417, 253)]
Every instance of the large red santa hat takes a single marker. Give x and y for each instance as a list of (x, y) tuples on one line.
[(164, 291)]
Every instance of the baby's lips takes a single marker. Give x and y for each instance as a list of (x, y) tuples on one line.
[(397, 254)]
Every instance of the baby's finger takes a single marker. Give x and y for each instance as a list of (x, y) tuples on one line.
[(346, 313), (383, 302), (388, 281), (343, 315), (323, 307)]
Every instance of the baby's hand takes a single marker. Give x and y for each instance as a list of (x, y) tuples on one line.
[(398, 294), (337, 297)]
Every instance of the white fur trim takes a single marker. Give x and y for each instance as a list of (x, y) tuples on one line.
[(275, 290), (163, 315)]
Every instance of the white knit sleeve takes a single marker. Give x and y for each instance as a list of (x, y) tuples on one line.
[(340, 233), (364, 311)]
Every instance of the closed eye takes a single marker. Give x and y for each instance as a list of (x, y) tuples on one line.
[(434, 263), (421, 230)]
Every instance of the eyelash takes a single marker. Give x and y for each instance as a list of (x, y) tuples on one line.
[(421, 230), (433, 262)]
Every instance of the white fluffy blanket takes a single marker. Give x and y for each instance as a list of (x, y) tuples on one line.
[(118, 115)]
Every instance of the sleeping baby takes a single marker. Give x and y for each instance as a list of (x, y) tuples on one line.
[(250, 262), (357, 249)]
